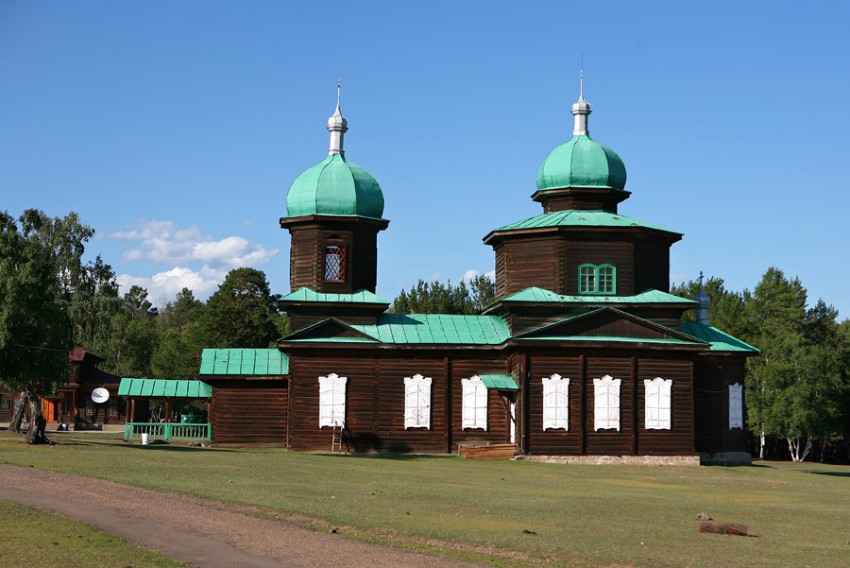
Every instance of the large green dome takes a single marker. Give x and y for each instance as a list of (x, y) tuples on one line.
[(582, 162), (335, 186)]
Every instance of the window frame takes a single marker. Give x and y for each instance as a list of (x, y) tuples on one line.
[(332, 412), (556, 403), (736, 406), (608, 389), (417, 415), (658, 404), (342, 257), (591, 278), (474, 391)]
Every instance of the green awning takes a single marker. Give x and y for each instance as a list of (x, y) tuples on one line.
[(499, 382), (164, 388)]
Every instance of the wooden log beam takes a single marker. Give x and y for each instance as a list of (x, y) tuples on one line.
[(723, 528)]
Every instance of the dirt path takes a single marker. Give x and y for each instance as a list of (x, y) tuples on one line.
[(202, 533)]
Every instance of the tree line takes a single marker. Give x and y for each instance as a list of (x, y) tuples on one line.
[(52, 300)]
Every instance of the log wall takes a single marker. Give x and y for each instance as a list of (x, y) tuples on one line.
[(249, 412)]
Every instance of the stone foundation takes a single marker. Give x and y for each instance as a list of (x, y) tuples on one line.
[(691, 460), (727, 458)]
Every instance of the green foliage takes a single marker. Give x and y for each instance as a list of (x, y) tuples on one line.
[(240, 313), (727, 307), (180, 338), (438, 298), (37, 272)]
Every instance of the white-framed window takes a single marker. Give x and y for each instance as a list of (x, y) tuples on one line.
[(606, 403), (332, 400), (417, 402), (736, 406), (556, 402), (657, 394), (474, 414)]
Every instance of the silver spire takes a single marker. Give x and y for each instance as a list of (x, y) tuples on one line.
[(337, 125), (581, 110)]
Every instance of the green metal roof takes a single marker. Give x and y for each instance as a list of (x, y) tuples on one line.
[(541, 295), (437, 328), (579, 218), (262, 362), (610, 339), (582, 162), (499, 382), (440, 329), (719, 340), (164, 388), (335, 186), (359, 297)]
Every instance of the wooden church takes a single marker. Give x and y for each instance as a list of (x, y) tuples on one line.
[(583, 356)]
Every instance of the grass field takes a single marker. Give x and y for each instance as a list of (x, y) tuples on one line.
[(579, 515), (34, 538)]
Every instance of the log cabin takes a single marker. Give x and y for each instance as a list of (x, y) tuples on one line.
[(582, 357)]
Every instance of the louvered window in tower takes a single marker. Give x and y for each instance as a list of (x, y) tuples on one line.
[(334, 263)]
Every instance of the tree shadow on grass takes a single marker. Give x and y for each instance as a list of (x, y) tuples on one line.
[(832, 473)]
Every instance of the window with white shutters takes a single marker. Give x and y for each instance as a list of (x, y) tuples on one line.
[(657, 394), (332, 400), (556, 402), (474, 413), (606, 407), (417, 402)]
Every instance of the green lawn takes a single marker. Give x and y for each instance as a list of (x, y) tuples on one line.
[(34, 538), (581, 515)]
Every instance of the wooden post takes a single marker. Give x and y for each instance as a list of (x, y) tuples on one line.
[(447, 372), (582, 404), (635, 425)]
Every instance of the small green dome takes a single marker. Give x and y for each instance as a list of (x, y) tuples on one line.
[(582, 162), (335, 186)]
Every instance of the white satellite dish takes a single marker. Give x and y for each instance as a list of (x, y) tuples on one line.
[(100, 395)]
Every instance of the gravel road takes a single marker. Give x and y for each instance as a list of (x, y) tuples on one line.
[(202, 533)]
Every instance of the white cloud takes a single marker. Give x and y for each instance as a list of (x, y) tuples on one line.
[(470, 274), (199, 262), (165, 242)]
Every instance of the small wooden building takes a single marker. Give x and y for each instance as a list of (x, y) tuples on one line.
[(582, 355), (72, 404)]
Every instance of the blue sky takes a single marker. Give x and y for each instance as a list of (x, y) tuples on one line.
[(176, 128)]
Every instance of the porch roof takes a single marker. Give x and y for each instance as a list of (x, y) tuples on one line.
[(164, 388)]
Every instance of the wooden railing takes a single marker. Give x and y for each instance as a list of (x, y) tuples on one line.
[(166, 431)]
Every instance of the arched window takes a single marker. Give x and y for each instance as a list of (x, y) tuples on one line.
[(597, 279), (334, 263)]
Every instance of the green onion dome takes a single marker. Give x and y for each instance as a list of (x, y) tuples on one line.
[(335, 186), (582, 162)]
